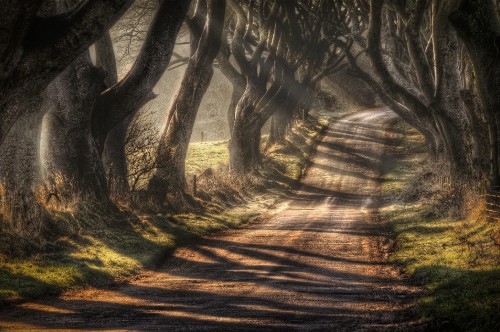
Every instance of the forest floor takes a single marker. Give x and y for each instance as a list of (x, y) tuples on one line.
[(318, 261)]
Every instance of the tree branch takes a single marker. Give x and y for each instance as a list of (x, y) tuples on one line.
[(133, 91)]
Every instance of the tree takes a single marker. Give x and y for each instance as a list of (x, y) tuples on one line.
[(168, 183), (288, 57), (39, 43), (77, 141), (418, 72), (478, 25), (116, 107)]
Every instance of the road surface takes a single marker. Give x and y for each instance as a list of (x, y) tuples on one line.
[(318, 263)]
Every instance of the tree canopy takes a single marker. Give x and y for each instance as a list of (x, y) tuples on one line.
[(69, 105)]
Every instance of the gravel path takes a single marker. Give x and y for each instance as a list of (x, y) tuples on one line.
[(317, 263)]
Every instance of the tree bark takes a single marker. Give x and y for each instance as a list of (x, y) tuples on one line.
[(281, 120), (252, 112), (116, 107), (448, 107), (478, 25), (73, 169), (237, 80), (115, 162), (242, 145), (28, 65), (22, 212), (113, 156)]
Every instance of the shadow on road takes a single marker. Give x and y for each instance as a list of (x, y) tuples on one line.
[(318, 263)]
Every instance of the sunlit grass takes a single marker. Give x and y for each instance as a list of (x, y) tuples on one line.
[(455, 260), (203, 155), (98, 258)]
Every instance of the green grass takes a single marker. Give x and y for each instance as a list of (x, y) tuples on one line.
[(110, 248), (98, 257), (203, 155), (455, 261)]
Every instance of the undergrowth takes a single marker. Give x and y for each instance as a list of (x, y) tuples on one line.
[(106, 247), (453, 256)]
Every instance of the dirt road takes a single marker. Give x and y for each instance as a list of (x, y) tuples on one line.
[(318, 263)]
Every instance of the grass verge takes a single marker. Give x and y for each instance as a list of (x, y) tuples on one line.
[(109, 248), (456, 261)]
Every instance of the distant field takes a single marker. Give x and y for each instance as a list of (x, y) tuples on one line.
[(203, 155)]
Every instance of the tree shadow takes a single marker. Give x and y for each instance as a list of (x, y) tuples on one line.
[(462, 299), (163, 303), (219, 284)]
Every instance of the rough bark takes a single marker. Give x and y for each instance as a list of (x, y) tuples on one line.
[(73, 170), (254, 109), (22, 212), (17, 16), (117, 106), (113, 155), (448, 107), (242, 145), (115, 162), (416, 50), (41, 49), (478, 25)]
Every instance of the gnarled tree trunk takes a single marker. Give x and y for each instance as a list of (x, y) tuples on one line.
[(244, 155), (168, 184), (73, 169)]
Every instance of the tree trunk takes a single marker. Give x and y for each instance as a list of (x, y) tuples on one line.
[(72, 168), (39, 49), (126, 97), (307, 102), (237, 80), (478, 25), (242, 145), (244, 148), (115, 162), (105, 58), (113, 155), (21, 197), (238, 90), (168, 184), (448, 107), (116, 106), (281, 120)]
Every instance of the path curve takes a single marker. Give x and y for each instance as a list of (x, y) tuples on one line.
[(318, 263)]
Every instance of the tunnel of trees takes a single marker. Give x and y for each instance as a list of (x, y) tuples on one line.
[(68, 112)]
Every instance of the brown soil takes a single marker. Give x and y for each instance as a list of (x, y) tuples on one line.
[(319, 262)]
